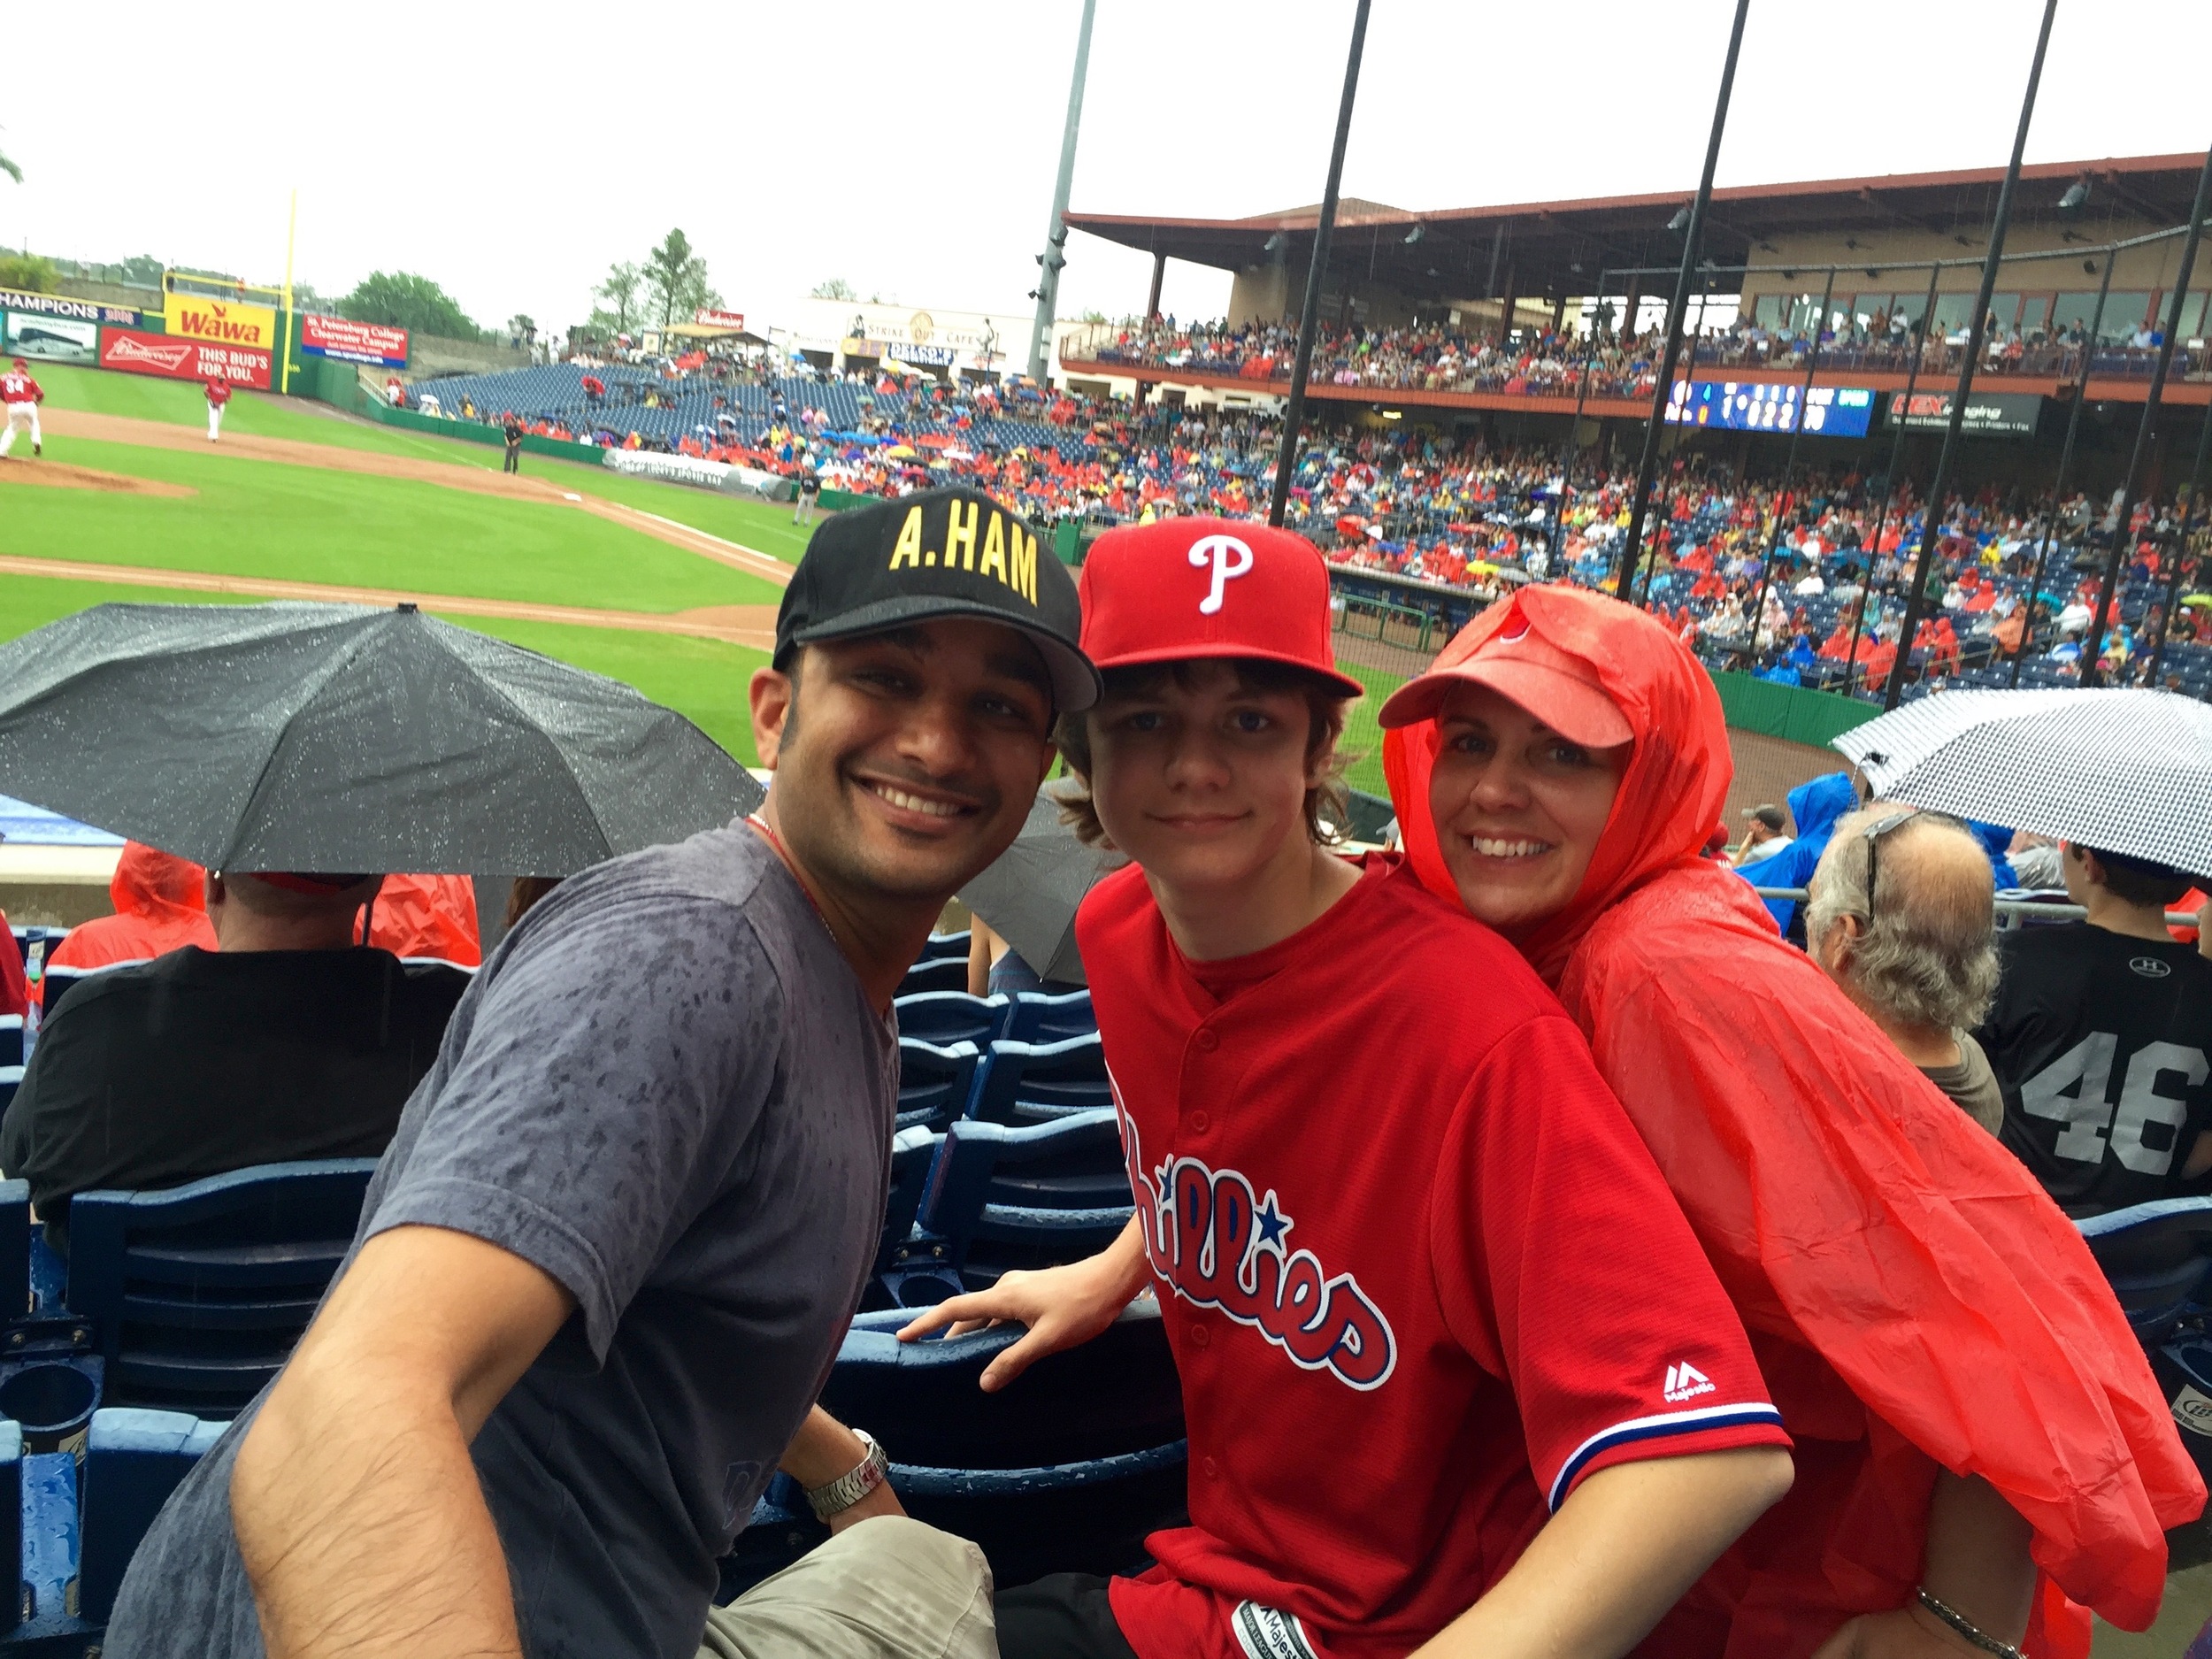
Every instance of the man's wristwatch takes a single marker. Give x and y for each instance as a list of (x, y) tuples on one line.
[(847, 1489)]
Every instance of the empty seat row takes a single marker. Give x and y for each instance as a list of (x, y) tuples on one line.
[(1007, 1082), (943, 1017)]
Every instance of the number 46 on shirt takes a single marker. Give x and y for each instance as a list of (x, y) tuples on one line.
[(2086, 1070)]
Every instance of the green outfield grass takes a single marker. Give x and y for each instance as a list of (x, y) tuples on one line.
[(305, 524), (762, 526), (705, 681), (1362, 738)]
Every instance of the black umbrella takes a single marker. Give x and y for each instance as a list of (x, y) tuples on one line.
[(1030, 893), (337, 738)]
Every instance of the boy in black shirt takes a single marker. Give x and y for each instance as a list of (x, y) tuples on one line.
[(2100, 1037)]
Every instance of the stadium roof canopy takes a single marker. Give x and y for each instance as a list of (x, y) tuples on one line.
[(1558, 249)]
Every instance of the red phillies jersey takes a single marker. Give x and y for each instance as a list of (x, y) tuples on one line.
[(1419, 1274), (20, 389), (218, 394)]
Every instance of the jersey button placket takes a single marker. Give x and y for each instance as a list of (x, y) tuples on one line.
[(1201, 1336)]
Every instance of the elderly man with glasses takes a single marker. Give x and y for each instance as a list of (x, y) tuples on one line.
[(1900, 915)]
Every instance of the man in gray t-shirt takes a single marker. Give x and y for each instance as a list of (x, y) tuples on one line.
[(609, 1256)]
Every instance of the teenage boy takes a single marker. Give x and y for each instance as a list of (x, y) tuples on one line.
[(608, 1260), (1434, 1311)]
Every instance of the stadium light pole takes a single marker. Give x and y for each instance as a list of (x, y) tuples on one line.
[(291, 237), (2065, 465), (1310, 317), (1573, 446), (1646, 470), (1931, 514), (2181, 549), (1867, 595), (1056, 231), (1789, 468), (2146, 433)]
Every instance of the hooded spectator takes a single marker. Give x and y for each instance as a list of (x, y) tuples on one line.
[(1814, 806), (429, 918), (1897, 1271), (1901, 916), (160, 906)]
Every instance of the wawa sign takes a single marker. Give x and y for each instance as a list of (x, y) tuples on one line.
[(137, 353), (221, 322)]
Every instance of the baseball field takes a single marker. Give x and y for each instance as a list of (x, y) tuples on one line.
[(670, 588)]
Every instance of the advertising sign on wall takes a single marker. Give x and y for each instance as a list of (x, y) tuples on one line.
[(52, 339), (222, 322), (55, 305), (708, 317), (1988, 414), (138, 353), (354, 342)]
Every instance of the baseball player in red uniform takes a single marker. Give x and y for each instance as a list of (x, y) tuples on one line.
[(1453, 1367), (217, 396), (21, 395)]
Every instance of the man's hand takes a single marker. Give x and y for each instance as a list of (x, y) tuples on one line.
[(1062, 1306), (358, 1510)]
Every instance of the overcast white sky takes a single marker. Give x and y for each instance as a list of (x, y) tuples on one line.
[(512, 152)]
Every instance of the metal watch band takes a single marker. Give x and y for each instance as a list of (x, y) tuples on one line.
[(847, 1489), (1967, 1628)]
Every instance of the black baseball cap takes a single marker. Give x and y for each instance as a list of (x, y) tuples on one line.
[(952, 552)]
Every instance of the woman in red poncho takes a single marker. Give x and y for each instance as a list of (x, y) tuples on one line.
[(1917, 1302), (160, 906)]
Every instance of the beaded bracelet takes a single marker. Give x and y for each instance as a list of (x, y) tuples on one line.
[(1967, 1628)]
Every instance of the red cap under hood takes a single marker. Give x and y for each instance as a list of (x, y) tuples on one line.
[(1677, 783)]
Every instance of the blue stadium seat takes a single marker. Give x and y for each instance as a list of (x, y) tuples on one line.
[(940, 973), (947, 945), (46, 1538), (2155, 1256), (133, 1460), (1038, 1018), (943, 1016), (1067, 1470), (935, 1081), (1041, 1194), (199, 1292), (1022, 1082)]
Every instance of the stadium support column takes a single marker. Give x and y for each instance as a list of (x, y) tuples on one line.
[(2181, 550), (1057, 232), (2065, 466), (1573, 446), (1647, 470), (2146, 433), (1508, 302), (1873, 547), (1789, 471), (1626, 329), (1931, 511), (1159, 276), (1310, 319)]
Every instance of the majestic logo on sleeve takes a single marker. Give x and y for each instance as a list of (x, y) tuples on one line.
[(1217, 1246)]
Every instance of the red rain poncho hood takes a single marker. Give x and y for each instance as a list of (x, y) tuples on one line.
[(160, 906), (1906, 1283), (427, 916)]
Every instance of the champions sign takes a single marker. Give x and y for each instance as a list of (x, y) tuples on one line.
[(136, 352), (222, 322)]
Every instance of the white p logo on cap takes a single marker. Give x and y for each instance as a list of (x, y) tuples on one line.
[(1229, 558)]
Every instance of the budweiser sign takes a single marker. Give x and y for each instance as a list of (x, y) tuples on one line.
[(136, 352)]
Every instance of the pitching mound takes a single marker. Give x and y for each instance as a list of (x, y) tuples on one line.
[(60, 475)]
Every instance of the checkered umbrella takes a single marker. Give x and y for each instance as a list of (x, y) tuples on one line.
[(2125, 772)]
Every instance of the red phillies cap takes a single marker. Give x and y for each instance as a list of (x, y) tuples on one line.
[(1185, 587), (1557, 686)]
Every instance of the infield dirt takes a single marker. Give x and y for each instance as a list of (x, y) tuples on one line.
[(61, 475)]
